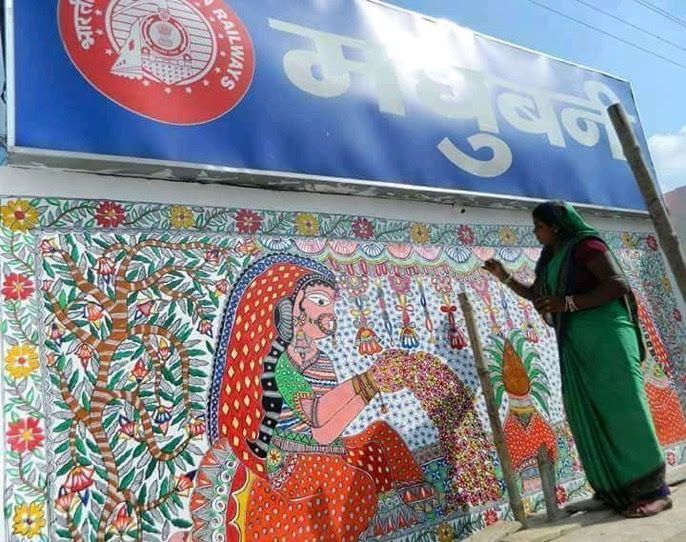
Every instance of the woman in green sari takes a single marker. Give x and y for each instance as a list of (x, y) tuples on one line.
[(582, 292)]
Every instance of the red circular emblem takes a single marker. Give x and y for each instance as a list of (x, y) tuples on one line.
[(174, 61)]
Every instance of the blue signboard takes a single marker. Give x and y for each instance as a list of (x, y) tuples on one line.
[(350, 90)]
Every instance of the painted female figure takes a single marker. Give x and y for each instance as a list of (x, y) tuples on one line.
[(276, 401)]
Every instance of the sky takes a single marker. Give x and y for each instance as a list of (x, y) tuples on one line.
[(659, 85)]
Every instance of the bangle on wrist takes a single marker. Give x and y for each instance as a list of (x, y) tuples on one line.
[(570, 304), (508, 279)]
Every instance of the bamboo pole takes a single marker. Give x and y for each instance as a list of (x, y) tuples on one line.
[(651, 195), (494, 417), (546, 468)]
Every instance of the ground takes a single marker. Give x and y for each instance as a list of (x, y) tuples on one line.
[(601, 525)]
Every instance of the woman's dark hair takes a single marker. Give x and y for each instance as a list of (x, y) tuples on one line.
[(552, 213)]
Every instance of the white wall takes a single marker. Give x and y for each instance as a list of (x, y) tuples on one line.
[(52, 183)]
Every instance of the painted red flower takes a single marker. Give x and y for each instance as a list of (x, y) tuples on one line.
[(24, 435), (362, 228), (490, 517), (248, 221), (109, 214), (671, 458), (560, 495), (651, 242), (17, 287), (465, 235)]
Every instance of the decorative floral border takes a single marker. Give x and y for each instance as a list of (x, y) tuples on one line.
[(24, 219)]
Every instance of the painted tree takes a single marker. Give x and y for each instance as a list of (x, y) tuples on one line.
[(127, 334)]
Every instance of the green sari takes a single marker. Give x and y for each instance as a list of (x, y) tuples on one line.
[(602, 388)]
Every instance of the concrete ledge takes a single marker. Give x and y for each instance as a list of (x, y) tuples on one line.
[(540, 531), (677, 475), (496, 532)]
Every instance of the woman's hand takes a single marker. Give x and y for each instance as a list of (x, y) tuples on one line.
[(497, 269), (550, 305)]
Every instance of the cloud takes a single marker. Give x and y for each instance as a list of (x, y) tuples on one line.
[(669, 155)]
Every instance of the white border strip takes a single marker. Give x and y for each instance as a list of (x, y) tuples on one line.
[(226, 174)]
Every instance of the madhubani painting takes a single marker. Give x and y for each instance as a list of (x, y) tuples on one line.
[(174, 373)]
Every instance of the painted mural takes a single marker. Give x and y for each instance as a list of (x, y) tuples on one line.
[(191, 374)]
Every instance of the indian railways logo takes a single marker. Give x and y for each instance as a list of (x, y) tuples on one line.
[(174, 61)]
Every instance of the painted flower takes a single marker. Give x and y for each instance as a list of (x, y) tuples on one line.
[(65, 500), (24, 435), (196, 426), (93, 314), (163, 349), (48, 246), (79, 480), (140, 370), (51, 359), (21, 360), (248, 248), (56, 333), (184, 483), (362, 228), (671, 458), (212, 256), (29, 520), (307, 224), (274, 457), (247, 221), (628, 240), (84, 352), (677, 315), (490, 517), (465, 235), (109, 214), (105, 267), (205, 327), (127, 427), (419, 233), (144, 309), (163, 417), (19, 215), (652, 242), (560, 495), (122, 522), (181, 216), (507, 236), (222, 286), (445, 533), (17, 287)]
